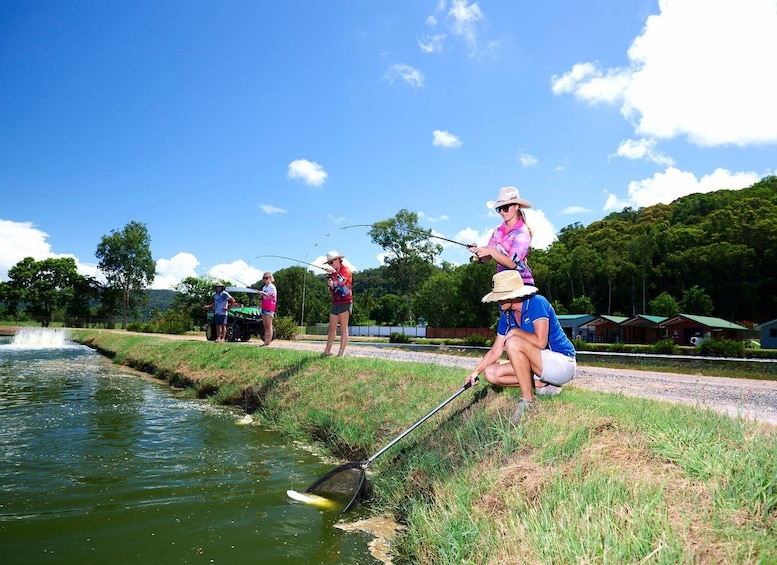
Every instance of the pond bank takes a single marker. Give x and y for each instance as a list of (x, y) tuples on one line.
[(586, 477)]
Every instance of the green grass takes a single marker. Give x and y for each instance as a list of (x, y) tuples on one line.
[(586, 477)]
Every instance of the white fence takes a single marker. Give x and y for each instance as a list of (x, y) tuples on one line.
[(372, 331)]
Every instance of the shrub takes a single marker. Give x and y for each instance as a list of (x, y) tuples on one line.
[(666, 346), (397, 337), (722, 348), (580, 344), (286, 328), (173, 322), (617, 347), (476, 340)]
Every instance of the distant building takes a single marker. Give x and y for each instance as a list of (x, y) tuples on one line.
[(606, 329), (768, 331), (574, 325), (683, 327), (643, 329)]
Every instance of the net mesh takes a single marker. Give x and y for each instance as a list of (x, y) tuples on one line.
[(346, 484)]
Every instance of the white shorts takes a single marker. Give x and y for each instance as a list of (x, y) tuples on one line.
[(557, 369)]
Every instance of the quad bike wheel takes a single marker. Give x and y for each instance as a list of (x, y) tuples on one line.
[(233, 333)]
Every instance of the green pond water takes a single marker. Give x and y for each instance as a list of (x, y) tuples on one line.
[(100, 465)]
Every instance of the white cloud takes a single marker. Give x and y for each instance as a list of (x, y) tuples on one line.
[(673, 183), (336, 219), (169, 272), (238, 272), (642, 149), (406, 73), (592, 85), (704, 70), (309, 172), (569, 210), (442, 138), (465, 20), (528, 160), (269, 209), (543, 232), (441, 218), (19, 240), (431, 43), (22, 239)]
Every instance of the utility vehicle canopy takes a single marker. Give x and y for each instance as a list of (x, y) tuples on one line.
[(242, 289)]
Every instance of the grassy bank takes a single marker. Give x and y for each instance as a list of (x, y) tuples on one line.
[(586, 477)]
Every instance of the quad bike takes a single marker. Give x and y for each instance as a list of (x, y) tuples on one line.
[(242, 321)]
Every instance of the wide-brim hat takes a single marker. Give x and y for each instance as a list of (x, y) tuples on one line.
[(510, 195), (332, 255), (219, 284), (506, 285)]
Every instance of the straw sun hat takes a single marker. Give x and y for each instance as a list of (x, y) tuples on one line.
[(506, 285)]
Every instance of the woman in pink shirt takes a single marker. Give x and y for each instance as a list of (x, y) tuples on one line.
[(269, 296), (510, 241)]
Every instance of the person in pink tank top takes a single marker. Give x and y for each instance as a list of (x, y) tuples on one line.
[(269, 296)]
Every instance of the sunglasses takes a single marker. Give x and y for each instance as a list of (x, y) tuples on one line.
[(265, 278), (504, 208)]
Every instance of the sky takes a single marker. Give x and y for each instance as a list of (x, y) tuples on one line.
[(239, 130)]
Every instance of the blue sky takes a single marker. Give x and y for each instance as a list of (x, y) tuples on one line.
[(240, 129)]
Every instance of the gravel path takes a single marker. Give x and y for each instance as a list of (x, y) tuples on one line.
[(736, 397)]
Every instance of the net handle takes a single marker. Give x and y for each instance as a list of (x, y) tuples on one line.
[(418, 423)]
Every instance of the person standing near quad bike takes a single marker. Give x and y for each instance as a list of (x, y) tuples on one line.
[(339, 279), (510, 241), (269, 295), (222, 301)]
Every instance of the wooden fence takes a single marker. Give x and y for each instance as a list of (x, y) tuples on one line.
[(457, 333)]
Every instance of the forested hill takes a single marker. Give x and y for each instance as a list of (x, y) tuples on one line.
[(724, 242), (160, 299)]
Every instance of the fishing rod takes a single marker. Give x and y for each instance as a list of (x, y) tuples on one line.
[(405, 228), (222, 276), (472, 259), (295, 260)]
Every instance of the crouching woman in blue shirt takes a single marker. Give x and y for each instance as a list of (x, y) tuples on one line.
[(540, 354)]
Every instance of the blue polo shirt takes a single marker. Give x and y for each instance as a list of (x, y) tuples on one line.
[(534, 308)]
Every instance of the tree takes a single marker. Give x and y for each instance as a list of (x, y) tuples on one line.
[(473, 281), (582, 305), (437, 301), (191, 294), (47, 286), (696, 301), (125, 259), (410, 254), (392, 310), (664, 305)]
